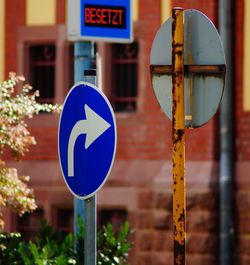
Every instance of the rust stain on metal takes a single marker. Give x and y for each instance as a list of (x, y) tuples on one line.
[(179, 258), (177, 71), (177, 137), (210, 70)]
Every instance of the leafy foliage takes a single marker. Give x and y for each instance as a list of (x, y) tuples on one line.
[(51, 248), (9, 253), (113, 248), (16, 105)]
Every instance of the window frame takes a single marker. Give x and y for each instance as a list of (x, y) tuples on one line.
[(30, 230), (41, 65), (104, 51), (39, 35), (56, 223), (127, 64)]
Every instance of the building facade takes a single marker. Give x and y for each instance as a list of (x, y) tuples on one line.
[(33, 42)]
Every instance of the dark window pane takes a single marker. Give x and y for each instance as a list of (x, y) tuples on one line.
[(65, 220), (125, 76), (42, 71), (115, 216), (28, 224)]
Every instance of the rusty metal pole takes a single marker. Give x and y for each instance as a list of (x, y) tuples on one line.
[(179, 191)]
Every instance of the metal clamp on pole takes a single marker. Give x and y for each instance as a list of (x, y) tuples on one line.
[(179, 192)]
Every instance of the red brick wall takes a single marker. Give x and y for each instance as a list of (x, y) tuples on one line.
[(242, 127), (144, 135), (60, 11), (242, 119), (147, 135), (15, 17), (209, 8), (46, 147)]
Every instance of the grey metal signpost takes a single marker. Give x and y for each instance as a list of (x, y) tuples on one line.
[(109, 21), (83, 59), (90, 249)]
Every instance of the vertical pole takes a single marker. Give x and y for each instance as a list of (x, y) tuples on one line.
[(179, 192), (82, 60), (227, 139), (90, 231), (90, 205)]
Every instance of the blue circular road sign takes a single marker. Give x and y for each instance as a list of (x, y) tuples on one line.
[(86, 139)]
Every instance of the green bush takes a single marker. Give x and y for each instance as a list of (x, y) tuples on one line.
[(52, 248), (113, 249), (49, 248), (9, 244)]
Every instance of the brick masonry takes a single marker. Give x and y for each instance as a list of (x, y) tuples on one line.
[(15, 17)]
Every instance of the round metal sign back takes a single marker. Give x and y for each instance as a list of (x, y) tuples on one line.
[(203, 50)]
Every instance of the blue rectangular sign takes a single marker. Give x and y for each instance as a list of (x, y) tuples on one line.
[(107, 20)]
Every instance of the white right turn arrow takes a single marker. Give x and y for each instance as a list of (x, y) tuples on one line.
[(94, 126)]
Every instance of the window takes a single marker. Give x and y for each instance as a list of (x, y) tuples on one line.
[(125, 77), (29, 223), (65, 220), (42, 70), (44, 59), (115, 216)]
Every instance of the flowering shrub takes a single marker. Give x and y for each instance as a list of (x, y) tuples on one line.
[(17, 104)]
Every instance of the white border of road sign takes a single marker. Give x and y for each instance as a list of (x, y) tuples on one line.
[(74, 25), (115, 144)]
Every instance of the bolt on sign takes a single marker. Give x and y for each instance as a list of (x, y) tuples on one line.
[(188, 76), (103, 20)]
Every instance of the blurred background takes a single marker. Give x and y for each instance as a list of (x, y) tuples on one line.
[(33, 42)]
